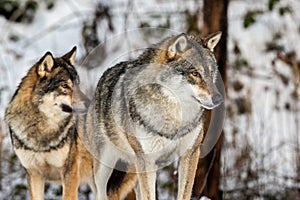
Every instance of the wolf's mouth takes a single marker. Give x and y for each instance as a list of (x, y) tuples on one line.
[(198, 100), (207, 106), (66, 108)]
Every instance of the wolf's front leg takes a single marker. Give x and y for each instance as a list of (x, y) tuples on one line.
[(70, 189), (137, 191), (146, 180), (147, 185), (186, 171), (101, 176), (71, 182), (102, 172), (36, 184)]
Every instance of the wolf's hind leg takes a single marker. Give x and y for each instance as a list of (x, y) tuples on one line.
[(120, 190)]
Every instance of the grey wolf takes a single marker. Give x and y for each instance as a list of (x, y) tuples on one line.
[(42, 125), (150, 111)]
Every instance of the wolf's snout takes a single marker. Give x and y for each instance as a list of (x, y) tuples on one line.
[(80, 107), (217, 99), (80, 101)]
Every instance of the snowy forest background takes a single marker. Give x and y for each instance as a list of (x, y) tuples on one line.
[(260, 156)]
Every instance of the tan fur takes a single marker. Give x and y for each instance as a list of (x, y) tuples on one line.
[(129, 182), (69, 163), (72, 165), (44, 132)]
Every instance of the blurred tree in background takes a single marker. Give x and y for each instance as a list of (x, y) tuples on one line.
[(208, 174)]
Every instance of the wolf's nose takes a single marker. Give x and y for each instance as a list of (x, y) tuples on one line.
[(217, 99)]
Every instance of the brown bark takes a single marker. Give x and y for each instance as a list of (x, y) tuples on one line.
[(215, 19), (208, 175)]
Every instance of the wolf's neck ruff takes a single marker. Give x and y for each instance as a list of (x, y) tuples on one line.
[(161, 112), (44, 142), (156, 97)]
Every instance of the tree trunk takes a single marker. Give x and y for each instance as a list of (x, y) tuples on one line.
[(208, 173), (215, 19)]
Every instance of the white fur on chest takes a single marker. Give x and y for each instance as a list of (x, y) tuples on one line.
[(40, 160), (157, 146)]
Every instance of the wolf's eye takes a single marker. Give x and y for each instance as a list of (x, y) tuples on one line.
[(65, 86), (196, 74)]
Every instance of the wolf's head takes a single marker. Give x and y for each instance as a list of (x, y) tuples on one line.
[(191, 58), (56, 91)]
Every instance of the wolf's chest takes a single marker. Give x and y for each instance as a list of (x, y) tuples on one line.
[(43, 160), (161, 147)]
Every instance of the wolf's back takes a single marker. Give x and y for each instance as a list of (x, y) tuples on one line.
[(105, 88)]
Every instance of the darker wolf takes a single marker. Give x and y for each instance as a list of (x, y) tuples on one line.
[(41, 120), (150, 111)]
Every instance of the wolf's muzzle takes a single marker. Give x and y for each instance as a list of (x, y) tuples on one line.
[(217, 99), (66, 108)]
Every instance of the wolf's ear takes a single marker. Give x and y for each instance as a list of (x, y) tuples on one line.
[(212, 40), (45, 64), (70, 56), (178, 46)]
